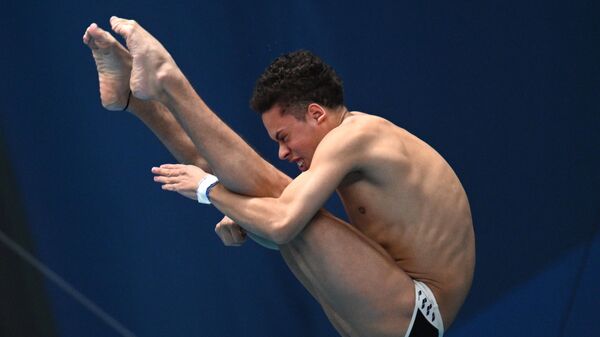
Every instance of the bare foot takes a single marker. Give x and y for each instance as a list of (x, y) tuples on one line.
[(151, 61), (114, 67)]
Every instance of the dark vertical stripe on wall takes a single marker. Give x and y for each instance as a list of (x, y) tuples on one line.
[(24, 308)]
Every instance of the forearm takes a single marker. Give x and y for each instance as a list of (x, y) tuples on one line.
[(168, 130), (266, 217), (236, 164)]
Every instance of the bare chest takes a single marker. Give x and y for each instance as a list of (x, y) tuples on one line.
[(370, 208)]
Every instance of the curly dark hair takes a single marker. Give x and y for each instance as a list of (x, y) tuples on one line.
[(297, 79)]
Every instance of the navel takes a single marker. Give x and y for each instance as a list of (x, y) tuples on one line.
[(362, 210)]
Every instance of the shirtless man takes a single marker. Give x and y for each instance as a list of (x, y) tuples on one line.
[(404, 265)]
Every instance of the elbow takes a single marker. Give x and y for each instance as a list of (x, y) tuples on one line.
[(283, 232)]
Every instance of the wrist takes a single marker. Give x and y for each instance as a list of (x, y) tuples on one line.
[(204, 187), (210, 189)]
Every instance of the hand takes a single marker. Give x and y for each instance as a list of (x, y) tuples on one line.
[(179, 178), (233, 235), (230, 233)]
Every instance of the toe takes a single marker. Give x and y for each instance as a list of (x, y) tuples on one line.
[(101, 37), (86, 36), (95, 31), (123, 27), (89, 40), (116, 23)]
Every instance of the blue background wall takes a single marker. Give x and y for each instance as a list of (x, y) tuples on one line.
[(507, 91)]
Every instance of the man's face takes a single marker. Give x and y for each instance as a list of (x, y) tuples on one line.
[(297, 139)]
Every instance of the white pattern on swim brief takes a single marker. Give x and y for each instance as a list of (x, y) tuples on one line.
[(426, 303)]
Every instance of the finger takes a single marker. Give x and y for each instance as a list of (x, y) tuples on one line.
[(223, 230), (226, 237), (226, 221), (167, 180), (172, 166), (237, 237), (167, 172), (158, 170), (170, 187), (237, 228), (218, 229)]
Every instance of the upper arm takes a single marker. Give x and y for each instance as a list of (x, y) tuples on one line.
[(339, 153)]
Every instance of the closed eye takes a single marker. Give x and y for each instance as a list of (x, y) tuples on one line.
[(280, 137)]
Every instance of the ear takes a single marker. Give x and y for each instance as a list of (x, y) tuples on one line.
[(316, 113)]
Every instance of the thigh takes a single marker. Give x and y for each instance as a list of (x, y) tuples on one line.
[(299, 271), (353, 277)]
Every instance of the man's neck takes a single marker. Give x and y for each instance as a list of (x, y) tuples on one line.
[(337, 116), (343, 115)]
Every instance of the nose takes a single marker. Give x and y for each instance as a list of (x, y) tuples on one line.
[(284, 152)]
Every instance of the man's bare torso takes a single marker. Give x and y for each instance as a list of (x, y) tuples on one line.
[(407, 199)]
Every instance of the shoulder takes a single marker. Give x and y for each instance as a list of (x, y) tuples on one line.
[(359, 129), (352, 141)]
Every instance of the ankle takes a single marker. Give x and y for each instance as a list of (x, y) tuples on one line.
[(170, 78), (174, 84)]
